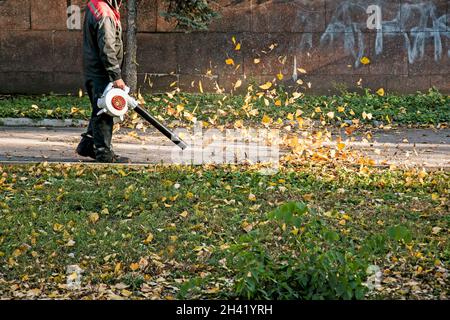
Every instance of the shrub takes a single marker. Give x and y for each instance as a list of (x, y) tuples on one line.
[(310, 261)]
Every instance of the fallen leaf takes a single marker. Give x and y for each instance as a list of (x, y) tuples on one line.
[(266, 120), (134, 266), (229, 61), (266, 86), (365, 60), (58, 227), (93, 217), (380, 92), (237, 84), (149, 238)]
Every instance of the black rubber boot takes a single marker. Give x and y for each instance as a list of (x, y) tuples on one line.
[(108, 156), (102, 127), (121, 159), (86, 146)]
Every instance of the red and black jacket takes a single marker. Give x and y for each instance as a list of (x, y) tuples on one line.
[(102, 40)]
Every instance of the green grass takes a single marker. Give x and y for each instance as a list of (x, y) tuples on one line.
[(198, 220), (417, 109)]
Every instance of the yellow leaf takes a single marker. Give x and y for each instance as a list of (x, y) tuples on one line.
[(200, 87), (307, 196), (149, 238), (247, 226), (278, 103), (365, 60), (238, 47), (266, 86), (317, 110), (16, 253), (233, 39), (239, 124), (280, 76), (266, 120), (256, 60), (93, 217), (381, 92), (126, 293), (251, 197), (237, 84), (58, 227), (180, 108), (213, 290), (340, 146), (134, 266), (80, 93), (301, 70), (229, 61), (184, 214), (118, 267), (341, 109), (434, 196), (366, 115)]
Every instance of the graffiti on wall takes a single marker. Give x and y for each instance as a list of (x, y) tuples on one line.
[(415, 25)]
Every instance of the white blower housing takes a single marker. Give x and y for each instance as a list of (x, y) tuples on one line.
[(116, 102)]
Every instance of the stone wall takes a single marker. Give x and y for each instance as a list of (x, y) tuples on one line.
[(409, 51)]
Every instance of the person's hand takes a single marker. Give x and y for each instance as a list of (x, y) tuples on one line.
[(119, 84)]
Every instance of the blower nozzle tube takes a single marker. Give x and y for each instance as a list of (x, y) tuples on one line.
[(161, 128)]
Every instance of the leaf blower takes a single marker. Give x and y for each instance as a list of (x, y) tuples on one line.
[(116, 102)]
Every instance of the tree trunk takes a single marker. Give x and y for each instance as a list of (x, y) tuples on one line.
[(130, 68)]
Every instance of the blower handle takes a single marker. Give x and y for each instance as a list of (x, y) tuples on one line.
[(108, 87), (111, 85)]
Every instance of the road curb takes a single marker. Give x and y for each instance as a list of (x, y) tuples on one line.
[(28, 122)]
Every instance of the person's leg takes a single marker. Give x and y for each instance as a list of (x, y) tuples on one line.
[(86, 146), (102, 126), (96, 142)]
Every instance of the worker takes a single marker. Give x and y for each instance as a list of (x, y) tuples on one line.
[(102, 63)]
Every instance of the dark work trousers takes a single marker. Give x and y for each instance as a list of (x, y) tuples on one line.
[(100, 127)]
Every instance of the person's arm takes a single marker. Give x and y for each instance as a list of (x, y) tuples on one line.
[(106, 38)]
